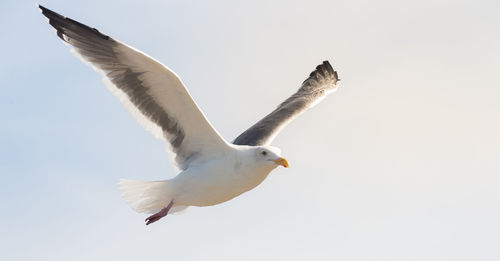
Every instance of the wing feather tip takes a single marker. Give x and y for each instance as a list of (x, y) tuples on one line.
[(324, 70), (59, 22), (330, 70)]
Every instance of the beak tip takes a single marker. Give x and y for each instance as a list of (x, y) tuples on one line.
[(283, 162)]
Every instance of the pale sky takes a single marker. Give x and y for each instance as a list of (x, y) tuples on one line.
[(401, 163)]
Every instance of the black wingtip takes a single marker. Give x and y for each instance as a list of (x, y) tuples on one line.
[(61, 23), (54, 20), (325, 70), (331, 70), (49, 13)]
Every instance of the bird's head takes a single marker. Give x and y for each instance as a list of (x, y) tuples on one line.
[(270, 155)]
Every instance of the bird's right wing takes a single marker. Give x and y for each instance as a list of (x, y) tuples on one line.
[(320, 82), (151, 92)]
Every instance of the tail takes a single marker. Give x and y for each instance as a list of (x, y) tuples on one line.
[(147, 196)]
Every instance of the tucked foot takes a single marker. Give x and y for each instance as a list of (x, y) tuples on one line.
[(163, 212)]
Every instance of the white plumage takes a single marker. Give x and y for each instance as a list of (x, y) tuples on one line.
[(212, 170), (216, 180)]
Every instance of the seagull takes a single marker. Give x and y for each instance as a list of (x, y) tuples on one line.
[(210, 169)]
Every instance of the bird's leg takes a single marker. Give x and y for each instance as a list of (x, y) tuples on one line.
[(163, 212)]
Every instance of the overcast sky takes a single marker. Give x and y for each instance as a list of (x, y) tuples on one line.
[(401, 163)]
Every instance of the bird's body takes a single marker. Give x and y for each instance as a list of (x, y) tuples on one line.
[(207, 183), (211, 170), (220, 180)]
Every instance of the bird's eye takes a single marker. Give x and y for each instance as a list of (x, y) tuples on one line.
[(264, 153)]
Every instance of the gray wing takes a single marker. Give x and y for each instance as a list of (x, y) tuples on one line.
[(151, 92), (321, 81)]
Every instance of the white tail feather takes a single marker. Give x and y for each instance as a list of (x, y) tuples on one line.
[(146, 196)]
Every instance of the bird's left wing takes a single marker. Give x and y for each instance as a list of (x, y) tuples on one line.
[(321, 81), (153, 93)]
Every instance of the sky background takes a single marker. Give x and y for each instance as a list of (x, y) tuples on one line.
[(401, 163)]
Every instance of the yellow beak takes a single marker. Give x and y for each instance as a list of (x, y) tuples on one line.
[(283, 162)]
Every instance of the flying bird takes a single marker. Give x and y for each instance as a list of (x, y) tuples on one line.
[(210, 169)]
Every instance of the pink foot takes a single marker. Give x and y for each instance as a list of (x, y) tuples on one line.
[(159, 215)]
